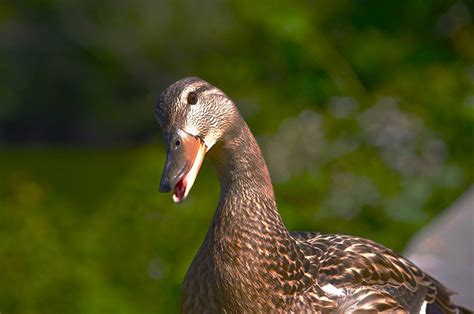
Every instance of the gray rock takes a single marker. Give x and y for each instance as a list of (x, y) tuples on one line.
[(445, 249)]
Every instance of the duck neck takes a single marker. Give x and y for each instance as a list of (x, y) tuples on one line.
[(247, 232), (247, 199)]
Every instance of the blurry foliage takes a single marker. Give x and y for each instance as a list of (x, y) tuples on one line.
[(364, 111)]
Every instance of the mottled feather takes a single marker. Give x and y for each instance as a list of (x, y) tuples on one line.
[(250, 263)]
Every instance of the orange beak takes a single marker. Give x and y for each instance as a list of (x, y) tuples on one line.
[(185, 154)]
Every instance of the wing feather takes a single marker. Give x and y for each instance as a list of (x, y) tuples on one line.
[(378, 278)]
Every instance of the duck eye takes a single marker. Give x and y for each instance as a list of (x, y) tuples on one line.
[(192, 98), (177, 143)]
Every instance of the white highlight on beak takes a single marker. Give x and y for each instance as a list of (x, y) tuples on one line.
[(190, 177)]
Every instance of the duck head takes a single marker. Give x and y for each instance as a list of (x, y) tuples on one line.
[(194, 116)]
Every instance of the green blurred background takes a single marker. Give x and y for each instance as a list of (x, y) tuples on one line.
[(364, 111)]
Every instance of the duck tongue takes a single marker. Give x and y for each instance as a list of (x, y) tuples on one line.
[(179, 190)]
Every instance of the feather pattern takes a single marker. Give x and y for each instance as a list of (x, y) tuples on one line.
[(372, 275), (250, 262)]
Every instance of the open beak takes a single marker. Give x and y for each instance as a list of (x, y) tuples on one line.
[(185, 154)]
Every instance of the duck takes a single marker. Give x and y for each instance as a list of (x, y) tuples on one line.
[(249, 262)]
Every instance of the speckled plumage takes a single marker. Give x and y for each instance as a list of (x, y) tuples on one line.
[(249, 262)]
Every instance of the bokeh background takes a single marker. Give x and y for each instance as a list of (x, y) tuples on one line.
[(364, 111)]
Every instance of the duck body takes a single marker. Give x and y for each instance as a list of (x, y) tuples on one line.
[(322, 284), (249, 262)]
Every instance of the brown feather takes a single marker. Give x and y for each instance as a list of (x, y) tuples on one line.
[(249, 262)]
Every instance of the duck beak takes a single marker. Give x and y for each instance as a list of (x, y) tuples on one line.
[(184, 157)]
